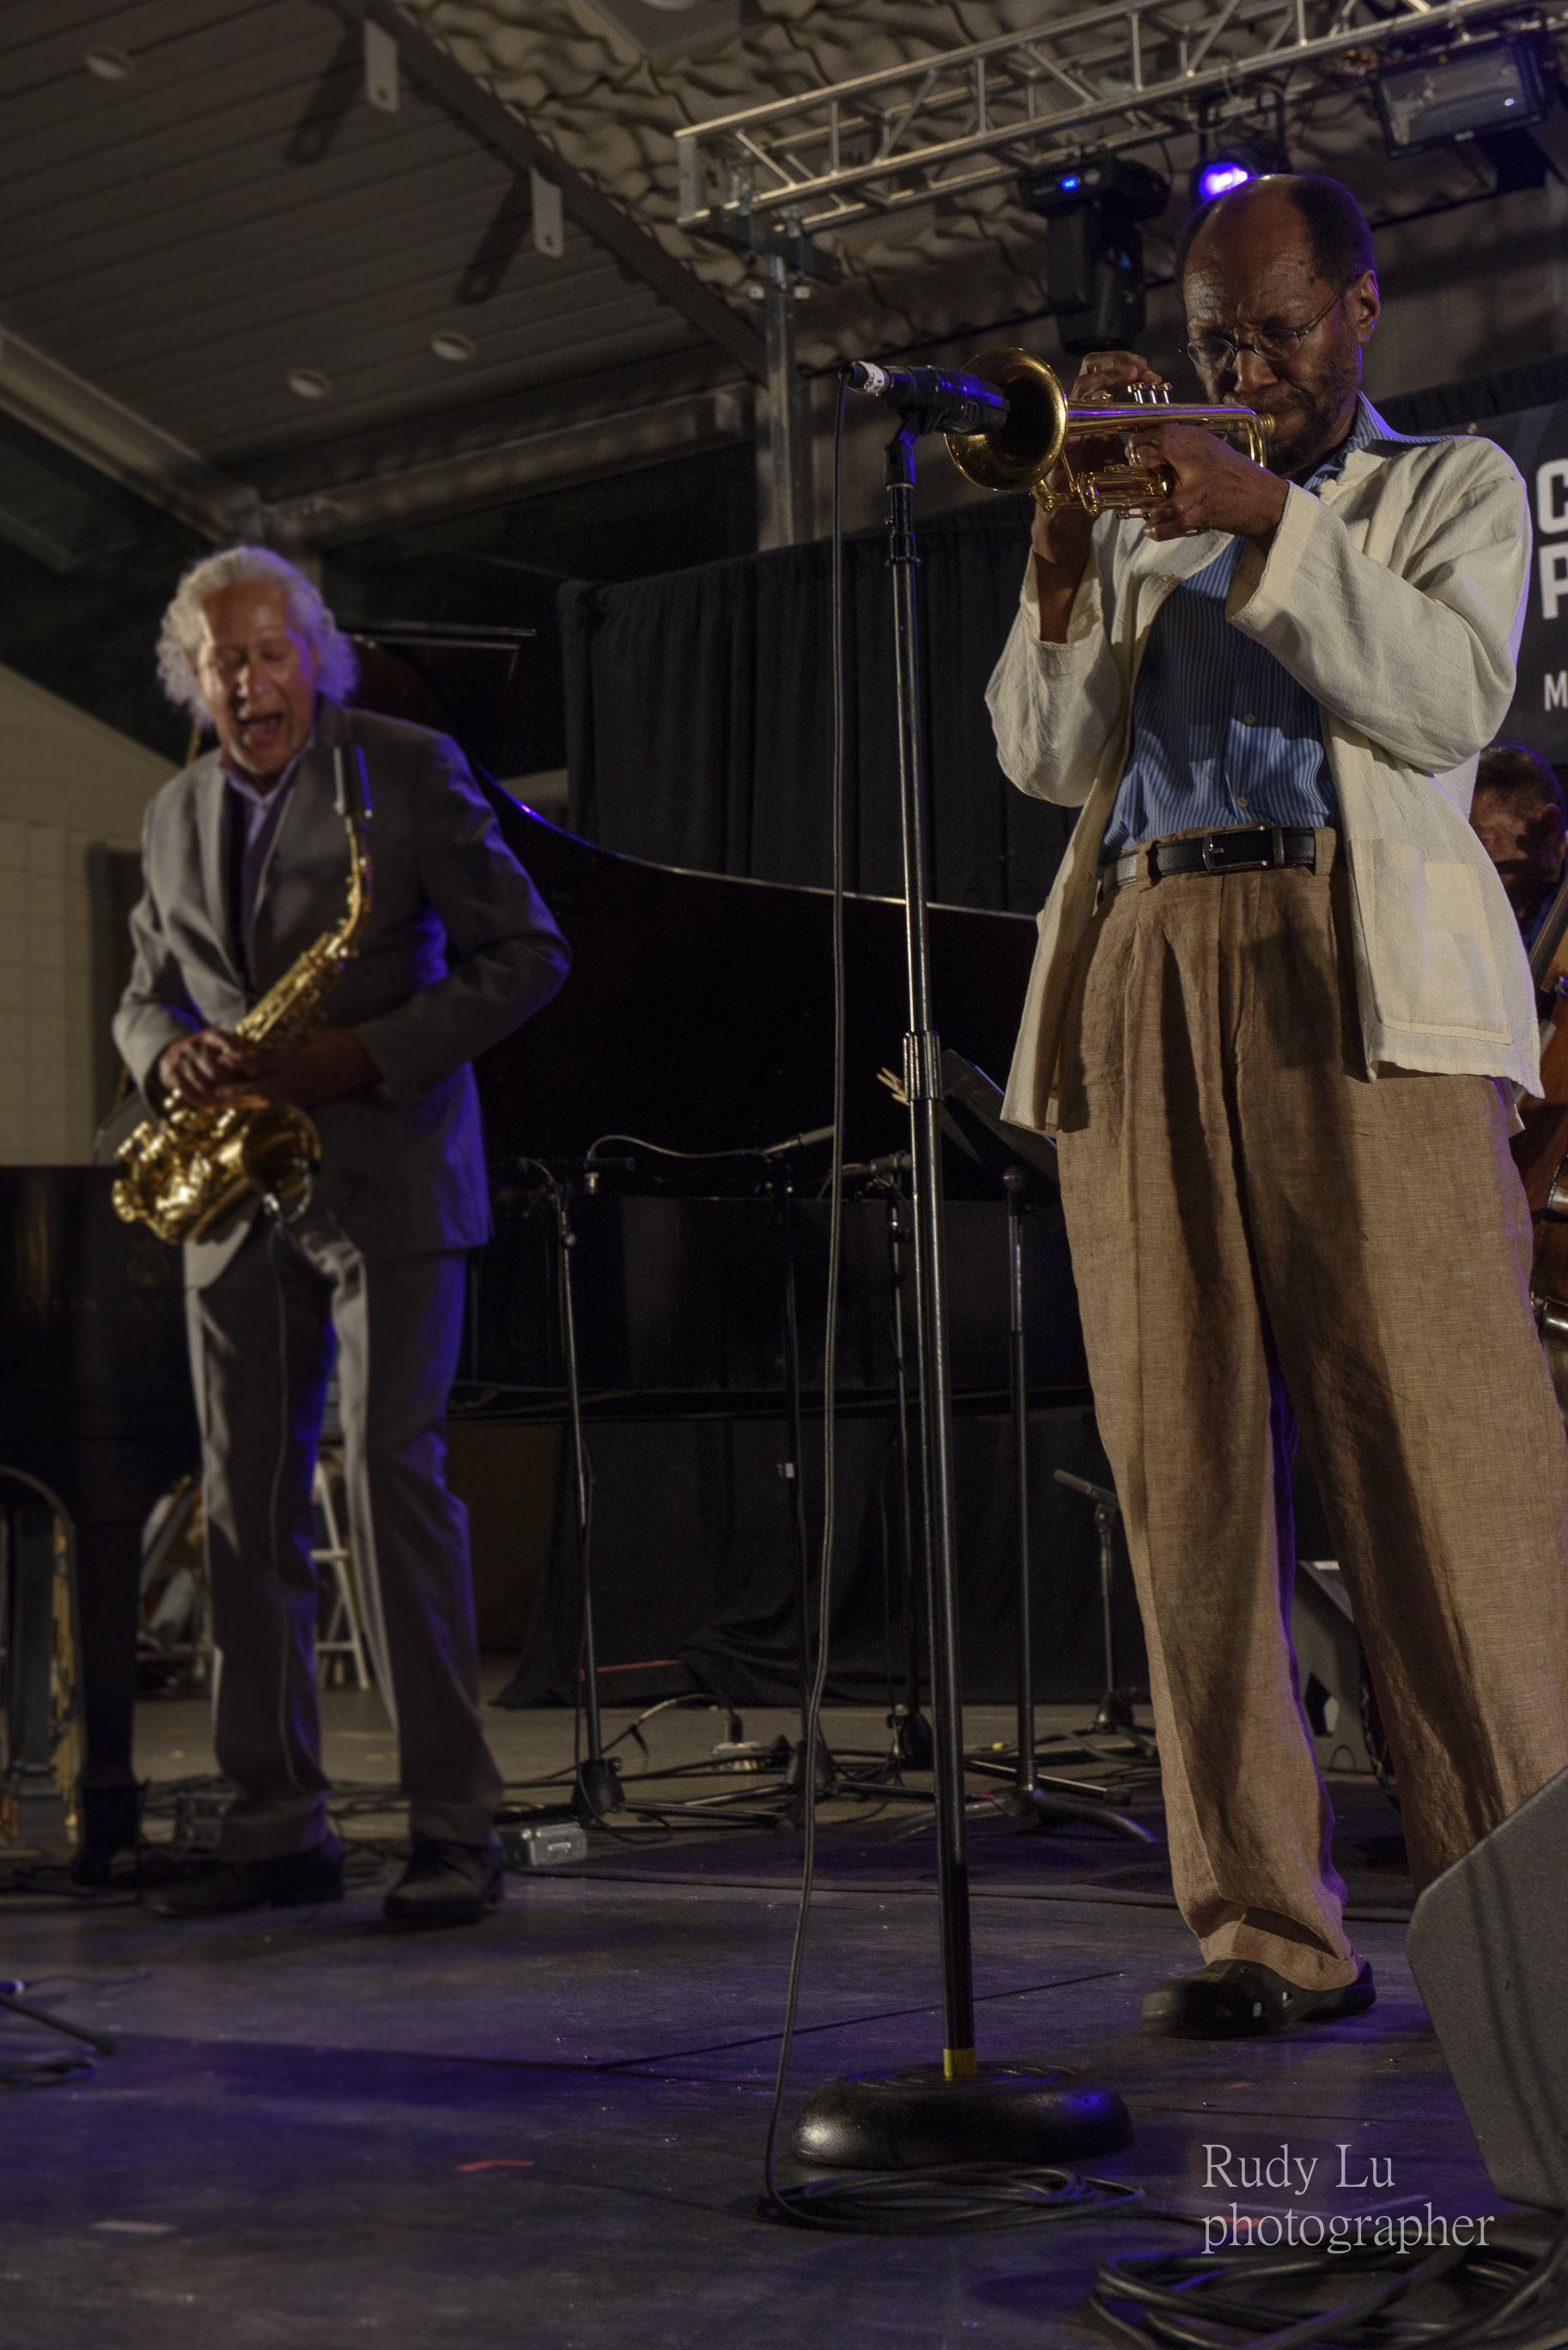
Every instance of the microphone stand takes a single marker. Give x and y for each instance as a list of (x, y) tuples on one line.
[(792, 1470), (962, 2109), (911, 1731), (597, 1788)]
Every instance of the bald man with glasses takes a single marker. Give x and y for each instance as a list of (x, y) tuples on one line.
[(1277, 1008)]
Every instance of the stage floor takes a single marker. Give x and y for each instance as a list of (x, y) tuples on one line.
[(548, 2129)]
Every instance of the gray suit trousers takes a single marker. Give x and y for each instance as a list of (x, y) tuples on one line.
[(261, 1351)]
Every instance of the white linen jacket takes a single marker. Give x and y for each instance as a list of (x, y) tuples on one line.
[(1396, 598)]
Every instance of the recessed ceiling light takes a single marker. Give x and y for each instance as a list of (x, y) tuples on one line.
[(455, 348), (309, 384), (109, 65)]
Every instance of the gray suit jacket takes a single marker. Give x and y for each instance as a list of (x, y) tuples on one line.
[(458, 951)]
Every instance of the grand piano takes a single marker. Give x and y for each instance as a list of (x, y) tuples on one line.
[(698, 1016)]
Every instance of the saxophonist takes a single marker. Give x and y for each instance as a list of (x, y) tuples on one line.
[(245, 863)]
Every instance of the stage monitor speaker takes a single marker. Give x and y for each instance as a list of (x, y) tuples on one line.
[(1490, 1956)]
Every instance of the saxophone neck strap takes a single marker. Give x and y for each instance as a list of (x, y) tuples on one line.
[(340, 784)]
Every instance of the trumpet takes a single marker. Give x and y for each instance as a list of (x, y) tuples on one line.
[(1026, 446)]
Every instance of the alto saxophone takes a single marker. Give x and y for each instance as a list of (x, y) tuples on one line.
[(188, 1169)]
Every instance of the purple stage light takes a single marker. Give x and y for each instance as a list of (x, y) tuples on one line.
[(1218, 178)]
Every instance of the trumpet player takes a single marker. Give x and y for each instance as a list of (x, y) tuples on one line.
[(1278, 999), (245, 867)]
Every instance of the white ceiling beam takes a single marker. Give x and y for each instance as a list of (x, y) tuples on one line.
[(610, 445), (101, 431)]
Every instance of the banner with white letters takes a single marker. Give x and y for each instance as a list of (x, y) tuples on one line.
[(1537, 440)]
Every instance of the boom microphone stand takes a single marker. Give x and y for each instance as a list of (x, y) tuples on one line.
[(962, 2110)]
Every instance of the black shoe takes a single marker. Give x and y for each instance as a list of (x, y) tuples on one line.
[(1239, 1999), (293, 1880), (446, 1885)]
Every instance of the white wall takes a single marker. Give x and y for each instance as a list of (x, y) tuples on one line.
[(66, 785)]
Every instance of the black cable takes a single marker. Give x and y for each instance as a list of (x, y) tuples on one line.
[(959, 2200), (662, 1150), (48, 2072), (1202, 2301)]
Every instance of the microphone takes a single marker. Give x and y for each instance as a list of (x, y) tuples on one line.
[(932, 402), (797, 1142)]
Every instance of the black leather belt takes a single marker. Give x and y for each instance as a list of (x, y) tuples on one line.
[(1241, 848)]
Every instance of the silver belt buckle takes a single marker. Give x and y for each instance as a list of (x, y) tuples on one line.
[(1272, 833)]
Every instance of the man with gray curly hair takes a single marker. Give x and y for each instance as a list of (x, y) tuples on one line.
[(246, 864), (333, 661)]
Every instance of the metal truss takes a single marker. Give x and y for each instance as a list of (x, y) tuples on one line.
[(1105, 78)]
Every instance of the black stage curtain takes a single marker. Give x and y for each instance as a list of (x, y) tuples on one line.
[(694, 1560), (1450, 407), (699, 715), (698, 704)]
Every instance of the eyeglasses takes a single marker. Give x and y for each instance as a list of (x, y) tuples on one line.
[(1210, 353)]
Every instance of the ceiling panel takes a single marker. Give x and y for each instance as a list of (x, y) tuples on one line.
[(222, 85), (236, 209)]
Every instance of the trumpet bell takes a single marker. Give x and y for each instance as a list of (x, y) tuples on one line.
[(1034, 437), (1019, 451)]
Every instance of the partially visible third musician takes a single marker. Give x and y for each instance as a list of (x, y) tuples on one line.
[(1278, 991), (1518, 815)]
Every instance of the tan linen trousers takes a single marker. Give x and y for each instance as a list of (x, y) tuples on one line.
[(1257, 1226)]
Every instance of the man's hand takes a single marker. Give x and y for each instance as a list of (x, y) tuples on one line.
[(210, 1069), (217, 1071), (1061, 540), (323, 1068), (1215, 487)]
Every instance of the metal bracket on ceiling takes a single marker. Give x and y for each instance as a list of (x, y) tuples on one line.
[(773, 235), (507, 132)]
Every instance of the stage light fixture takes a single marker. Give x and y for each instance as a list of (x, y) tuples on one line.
[(1224, 163), (1466, 87), (1218, 178), (1094, 251)]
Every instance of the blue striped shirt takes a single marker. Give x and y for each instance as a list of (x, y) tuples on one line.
[(1222, 733)]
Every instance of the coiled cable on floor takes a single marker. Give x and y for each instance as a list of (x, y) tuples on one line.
[(961, 2199), (1245, 2299)]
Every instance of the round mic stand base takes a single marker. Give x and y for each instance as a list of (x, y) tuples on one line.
[(912, 2118)]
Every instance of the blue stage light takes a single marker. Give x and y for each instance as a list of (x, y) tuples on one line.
[(1068, 181)]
